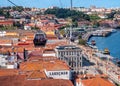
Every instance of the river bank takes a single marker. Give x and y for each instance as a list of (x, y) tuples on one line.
[(106, 66), (111, 42)]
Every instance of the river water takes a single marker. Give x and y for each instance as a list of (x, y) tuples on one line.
[(112, 42)]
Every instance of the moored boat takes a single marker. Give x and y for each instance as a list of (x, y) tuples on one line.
[(114, 30), (93, 42), (106, 51), (118, 63)]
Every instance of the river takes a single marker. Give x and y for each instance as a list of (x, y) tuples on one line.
[(112, 42)]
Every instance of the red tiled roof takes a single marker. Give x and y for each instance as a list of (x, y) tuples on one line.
[(41, 65), (6, 22), (8, 72), (94, 80), (22, 81), (49, 82), (97, 81), (37, 75)]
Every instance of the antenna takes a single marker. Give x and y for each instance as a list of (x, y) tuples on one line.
[(71, 22)]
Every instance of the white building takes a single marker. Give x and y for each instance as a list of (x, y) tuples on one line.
[(82, 9), (55, 69), (27, 27), (49, 52), (3, 60), (71, 55), (2, 33), (8, 62), (103, 16), (59, 74)]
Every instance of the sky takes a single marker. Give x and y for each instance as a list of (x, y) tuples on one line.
[(62, 3)]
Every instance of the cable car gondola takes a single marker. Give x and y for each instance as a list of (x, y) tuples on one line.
[(40, 39)]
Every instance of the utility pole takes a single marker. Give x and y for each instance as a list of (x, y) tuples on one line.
[(71, 4), (71, 21)]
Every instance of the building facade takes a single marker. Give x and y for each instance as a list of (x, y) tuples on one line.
[(71, 54)]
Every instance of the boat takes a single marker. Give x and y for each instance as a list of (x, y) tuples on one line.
[(93, 42), (106, 51), (113, 31), (92, 46), (40, 39), (118, 63)]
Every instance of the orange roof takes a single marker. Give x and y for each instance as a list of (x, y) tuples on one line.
[(18, 48), (8, 72), (97, 81), (21, 80), (37, 75), (5, 41), (41, 65), (16, 80), (55, 65), (41, 58), (6, 22), (30, 66), (36, 52), (49, 82), (11, 34)]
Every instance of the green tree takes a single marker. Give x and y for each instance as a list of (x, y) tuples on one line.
[(35, 28), (1, 11), (62, 32), (75, 24), (111, 15), (94, 17), (4, 13), (82, 42), (66, 13), (18, 8)]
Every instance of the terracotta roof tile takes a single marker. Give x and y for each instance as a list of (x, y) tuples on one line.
[(37, 75), (12, 80), (49, 82), (8, 72), (31, 66), (97, 81), (22, 81), (41, 65), (94, 80)]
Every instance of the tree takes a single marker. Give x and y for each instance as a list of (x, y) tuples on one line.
[(16, 24), (111, 15), (94, 17), (82, 42), (18, 8), (66, 13), (35, 28), (1, 11), (4, 13), (62, 32), (75, 24)]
